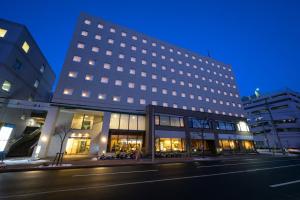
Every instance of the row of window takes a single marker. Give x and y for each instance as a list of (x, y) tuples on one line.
[(127, 122), (25, 45), (145, 41), (105, 80), (78, 59), (167, 120)]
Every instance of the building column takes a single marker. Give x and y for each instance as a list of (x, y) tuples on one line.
[(150, 130), (216, 136), (103, 140), (41, 149)]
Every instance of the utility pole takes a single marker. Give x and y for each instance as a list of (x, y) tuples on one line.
[(264, 130), (273, 125)]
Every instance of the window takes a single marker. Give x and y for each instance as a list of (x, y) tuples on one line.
[(142, 101), (144, 41), (6, 86), (165, 104), (154, 103), (118, 83), (225, 126), (110, 41), (2, 32), (133, 59), (97, 37), (169, 144), (101, 26), (174, 93), (80, 45), (123, 34), (88, 22), (91, 62), (164, 79), (108, 53), (144, 51), (84, 33), (89, 77), (104, 80), (85, 93), (102, 96), (68, 91), (242, 126), (25, 47), (116, 98), (106, 66), (154, 76), (36, 83), (154, 89), (143, 87), (130, 100), (134, 37), (119, 68), (17, 65), (164, 91), (122, 44), (169, 120), (198, 123), (42, 69), (132, 71), (95, 49), (77, 59), (82, 121), (131, 85), (133, 48), (112, 30), (121, 56), (127, 122)]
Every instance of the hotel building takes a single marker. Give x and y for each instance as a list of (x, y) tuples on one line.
[(120, 90)]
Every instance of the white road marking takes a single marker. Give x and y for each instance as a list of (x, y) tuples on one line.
[(112, 173), (243, 163), (283, 184), (144, 182)]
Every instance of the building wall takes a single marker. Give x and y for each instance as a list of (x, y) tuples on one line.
[(23, 69), (209, 85), (284, 106)]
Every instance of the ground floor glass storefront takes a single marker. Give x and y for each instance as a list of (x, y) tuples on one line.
[(169, 145), (79, 146), (125, 142), (236, 145)]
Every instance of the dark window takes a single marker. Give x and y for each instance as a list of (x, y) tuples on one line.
[(198, 123), (225, 126), (17, 65)]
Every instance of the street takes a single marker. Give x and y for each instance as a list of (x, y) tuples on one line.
[(254, 178)]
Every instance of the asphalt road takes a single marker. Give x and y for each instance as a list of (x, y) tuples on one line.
[(257, 178)]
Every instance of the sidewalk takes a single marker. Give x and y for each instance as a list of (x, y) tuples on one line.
[(27, 164)]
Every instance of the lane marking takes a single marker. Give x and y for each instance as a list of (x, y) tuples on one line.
[(243, 163), (112, 173), (144, 182), (283, 184)]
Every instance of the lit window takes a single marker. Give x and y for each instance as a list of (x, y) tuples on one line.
[(91, 62), (118, 83), (6, 86), (73, 74), (42, 69), (184, 107), (142, 101), (153, 65), (102, 96), (154, 76), (122, 44), (143, 87), (84, 33), (174, 93), (108, 53), (214, 101), (183, 95), (25, 47), (154, 44), (110, 41), (116, 98), (101, 26), (143, 74), (175, 105), (163, 57), (77, 59), (97, 37), (121, 56), (119, 68), (242, 126), (134, 37), (104, 80), (131, 85), (133, 59), (89, 77), (165, 104), (123, 34), (154, 89), (80, 45), (193, 108), (154, 103), (144, 62), (36, 83), (106, 66), (163, 67), (207, 99), (163, 47), (112, 30), (173, 81), (181, 83), (164, 79), (201, 109), (133, 48), (199, 98), (144, 41), (190, 85), (2, 32), (88, 22), (132, 71), (192, 96), (68, 91), (95, 49), (164, 91), (85, 93), (144, 51), (130, 100), (154, 54), (180, 72)]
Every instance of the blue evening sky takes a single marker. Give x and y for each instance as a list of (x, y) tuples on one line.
[(259, 38)]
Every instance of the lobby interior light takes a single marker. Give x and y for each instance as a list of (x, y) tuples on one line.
[(103, 139)]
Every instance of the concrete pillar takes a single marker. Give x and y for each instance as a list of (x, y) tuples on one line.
[(41, 149), (104, 133)]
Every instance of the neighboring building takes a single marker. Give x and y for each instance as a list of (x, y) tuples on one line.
[(24, 71), (274, 119), (119, 87), (26, 81)]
